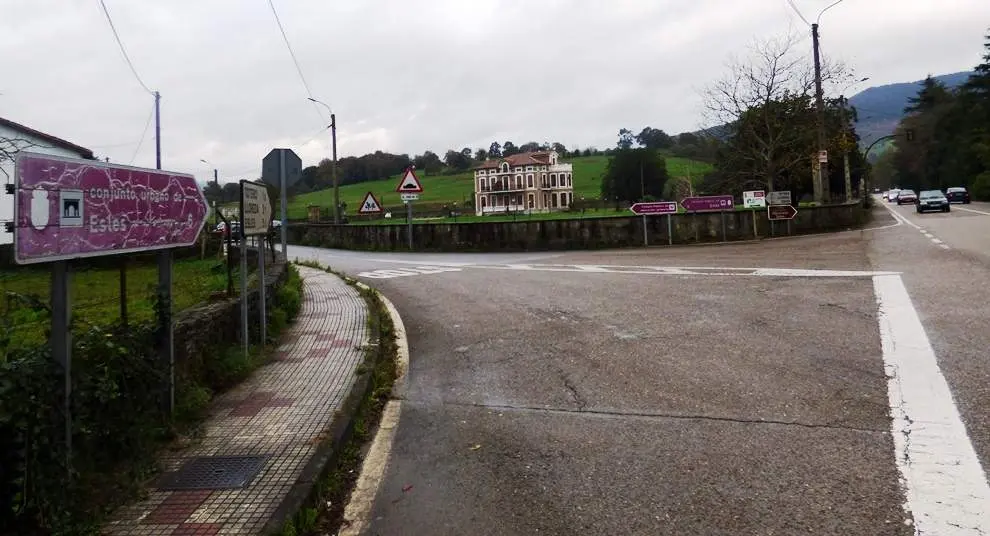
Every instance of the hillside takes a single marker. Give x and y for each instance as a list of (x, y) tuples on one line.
[(880, 108), (459, 188)]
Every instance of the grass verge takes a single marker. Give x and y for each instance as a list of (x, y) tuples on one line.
[(322, 511)]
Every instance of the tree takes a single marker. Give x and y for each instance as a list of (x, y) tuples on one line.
[(530, 147), (625, 139), (213, 193), (767, 103), (428, 162), (481, 155), (457, 160), (495, 150), (653, 138), (559, 148), (509, 149), (633, 174)]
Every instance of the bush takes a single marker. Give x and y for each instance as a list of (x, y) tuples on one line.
[(289, 297), (980, 189)]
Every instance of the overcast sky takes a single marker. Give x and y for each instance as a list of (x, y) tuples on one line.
[(405, 76)]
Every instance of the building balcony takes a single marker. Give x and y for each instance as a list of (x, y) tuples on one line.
[(567, 168)]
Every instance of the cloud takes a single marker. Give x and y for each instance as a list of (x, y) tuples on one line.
[(410, 76)]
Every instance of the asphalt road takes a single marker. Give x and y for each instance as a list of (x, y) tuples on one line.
[(683, 391)]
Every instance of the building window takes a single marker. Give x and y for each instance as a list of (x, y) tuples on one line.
[(553, 180), (529, 168), (529, 181), (532, 201), (569, 179), (505, 167), (553, 200)]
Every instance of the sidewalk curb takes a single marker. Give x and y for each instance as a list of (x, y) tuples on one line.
[(337, 434), (357, 511)]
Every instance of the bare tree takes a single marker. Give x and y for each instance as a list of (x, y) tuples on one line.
[(766, 105), (9, 147)]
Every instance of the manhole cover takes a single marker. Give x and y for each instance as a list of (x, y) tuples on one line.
[(214, 472)]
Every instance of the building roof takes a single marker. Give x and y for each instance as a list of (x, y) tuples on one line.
[(55, 141), (521, 159)]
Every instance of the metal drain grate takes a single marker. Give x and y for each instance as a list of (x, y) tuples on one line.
[(214, 472)]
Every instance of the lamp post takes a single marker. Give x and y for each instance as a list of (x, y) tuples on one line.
[(821, 170), (333, 165)]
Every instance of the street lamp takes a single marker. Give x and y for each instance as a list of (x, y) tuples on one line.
[(333, 166), (821, 184), (215, 180)]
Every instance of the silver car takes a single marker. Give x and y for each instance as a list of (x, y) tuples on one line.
[(932, 200)]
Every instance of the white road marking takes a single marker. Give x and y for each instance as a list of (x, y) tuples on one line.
[(901, 218), (680, 270), (946, 489), (943, 246), (973, 211), (935, 240), (357, 512), (405, 272)]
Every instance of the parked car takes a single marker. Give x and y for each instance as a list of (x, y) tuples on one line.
[(957, 194), (932, 200), (892, 195), (906, 196)]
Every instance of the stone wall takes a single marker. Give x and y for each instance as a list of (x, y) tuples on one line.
[(589, 233), (200, 330)]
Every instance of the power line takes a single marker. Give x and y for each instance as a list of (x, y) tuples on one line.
[(143, 134), (122, 49), (295, 61)]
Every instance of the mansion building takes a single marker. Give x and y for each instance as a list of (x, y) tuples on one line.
[(527, 182)]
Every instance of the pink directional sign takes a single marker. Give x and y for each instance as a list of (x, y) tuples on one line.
[(654, 207), (68, 208), (707, 203)]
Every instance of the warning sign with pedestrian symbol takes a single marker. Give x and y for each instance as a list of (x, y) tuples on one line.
[(409, 183), (370, 205)]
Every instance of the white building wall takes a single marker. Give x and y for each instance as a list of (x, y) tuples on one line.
[(32, 144)]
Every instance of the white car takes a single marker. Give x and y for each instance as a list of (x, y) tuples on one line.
[(892, 195)]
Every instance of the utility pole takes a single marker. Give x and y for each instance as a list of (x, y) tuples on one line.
[(845, 150), (333, 169), (821, 173)]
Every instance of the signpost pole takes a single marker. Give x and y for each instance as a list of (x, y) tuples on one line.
[(670, 230), (165, 320), (62, 348), (261, 287), (722, 214), (646, 237), (284, 204), (122, 267), (409, 220), (756, 234), (244, 297)]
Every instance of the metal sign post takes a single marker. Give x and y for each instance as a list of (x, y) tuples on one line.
[(670, 230), (61, 339), (281, 168), (256, 220), (646, 235), (409, 187), (655, 208)]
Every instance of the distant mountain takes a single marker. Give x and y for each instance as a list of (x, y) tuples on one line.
[(880, 108)]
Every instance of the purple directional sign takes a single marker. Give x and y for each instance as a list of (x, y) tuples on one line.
[(68, 208), (653, 208), (708, 203)]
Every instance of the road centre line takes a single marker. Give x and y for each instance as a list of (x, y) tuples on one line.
[(945, 486)]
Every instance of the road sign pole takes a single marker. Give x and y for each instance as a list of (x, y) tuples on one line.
[(261, 288), (62, 348), (244, 297), (409, 220), (722, 214), (165, 321), (670, 230), (755, 233), (646, 236), (283, 201)]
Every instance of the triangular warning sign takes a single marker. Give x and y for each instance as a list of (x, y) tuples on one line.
[(370, 205), (409, 183)]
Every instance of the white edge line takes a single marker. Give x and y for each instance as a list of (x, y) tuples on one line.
[(973, 211), (357, 512), (944, 485), (901, 218)]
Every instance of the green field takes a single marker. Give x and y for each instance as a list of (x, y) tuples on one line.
[(447, 189), (95, 295)]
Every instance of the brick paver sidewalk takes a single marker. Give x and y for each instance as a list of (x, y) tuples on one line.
[(260, 435)]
